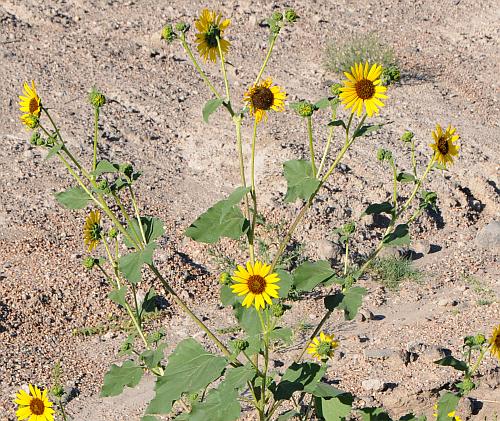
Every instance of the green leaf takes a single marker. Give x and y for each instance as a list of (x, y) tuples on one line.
[(324, 390), (376, 208), (131, 264), (301, 182), (73, 198), (299, 377), (399, 237), (149, 418), (335, 408), (228, 297), (337, 123), (238, 377), (105, 167), (310, 274), (353, 298), (53, 151), (404, 177), (148, 304), (411, 417), (115, 380), (283, 334), (210, 107), (223, 219), (190, 368), (364, 130), (118, 296), (451, 361), (248, 319), (285, 416), (255, 344), (374, 414), (333, 301), (448, 403), (285, 283), (153, 229), (322, 103), (152, 357)]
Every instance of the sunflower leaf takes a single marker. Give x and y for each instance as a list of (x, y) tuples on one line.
[(450, 361), (190, 368), (351, 302), (118, 295), (374, 414), (376, 208), (399, 237), (53, 151), (337, 123), (115, 380), (404, 177), (310, 274), (131, 264), (364, 130), (332, 404), (224, 219), (210, 107), (447, 403), (152, 227), (298, 377), (301, 182), (285, 282), (322, 103), (73, 198), (105, 166)]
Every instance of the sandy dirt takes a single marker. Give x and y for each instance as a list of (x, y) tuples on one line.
[(448, 52)]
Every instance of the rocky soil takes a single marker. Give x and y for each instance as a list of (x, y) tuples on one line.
[(448, 52)]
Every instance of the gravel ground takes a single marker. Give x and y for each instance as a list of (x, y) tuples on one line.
[(448, 53)]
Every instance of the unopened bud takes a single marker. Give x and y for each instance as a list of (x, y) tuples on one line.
[(224, 278), (96, 98), (277, 309), (407, 136), (305, 109), (113, 232), (291, 16), (89, 263), (182, 27), (168, 34)]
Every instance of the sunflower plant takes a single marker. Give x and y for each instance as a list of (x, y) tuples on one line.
[(193, 383)]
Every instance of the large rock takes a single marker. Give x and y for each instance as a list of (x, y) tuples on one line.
[(488, 237)]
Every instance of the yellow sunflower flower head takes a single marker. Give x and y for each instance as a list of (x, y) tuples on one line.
[(322, 347), (363, 88), (444, 144), (262, 97), (31, 121), (29, 102), (35, 405), (210, 26), (257, 283), (92, 230), (495, 342)]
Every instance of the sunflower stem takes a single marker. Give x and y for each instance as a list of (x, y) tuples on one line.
[(268, 55), (197, 66), (346, 260), (395, 183), (96, 134), (311, 146), (413, 160), (126, 215), (253, 194), (472, 371), (61, 407), (328, 142), (137, 214), (223, 68), (418, 185)]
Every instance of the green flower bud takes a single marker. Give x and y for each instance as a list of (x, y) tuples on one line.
[(305, 109), (127, 169), (277, 16), (407, 136), (390, 75), (103, 185), (225, 278), (239, 345), (291, 16), (349, 228), (89, 263), (384, 155), (277, 309), (274, 26), (479, 339), (96, 98), (467, 385), (35, 139), (168, 34), (113, 232), (58, 391), (335, 90), (182, 27)]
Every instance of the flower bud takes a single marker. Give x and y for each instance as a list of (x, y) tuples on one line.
[(335, 90), (30, 120), (277, 309), (390, 75), (384, 155), (113, 232), (305, 109), (96, 98), (291, 16), (103, 185), (407, 136), (36, 138), (277, 16), (182, 27), (168, 34), (224, 278), (89, 263), (349, 228), (127, 169), (239, 345), (58, 391)]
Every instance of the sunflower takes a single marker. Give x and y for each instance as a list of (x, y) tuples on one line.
[(92, 230), (262, 97), (211, 26), (322, 346), (30, 103), (35, 406), (257, 283), (444, 144), (495, 342), (451, 414), (363, 87)]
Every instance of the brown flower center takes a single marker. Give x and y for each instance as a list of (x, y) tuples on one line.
[(262, 98), (256, 284), (497, 341), (37, 406), (365, 89), (443, 145), (33, 105)]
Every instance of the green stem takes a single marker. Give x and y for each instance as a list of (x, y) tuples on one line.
[(61, 407), (269, 51), (186, 309), (197, 66), (413, 160), (108, 278), (395, 184), (136, 303), (126, 215), (476, 365), (346, 262), (137, 214), (417, 187), (223, 68), (96, 134), (253, 194), (328, 142), (311, 146)]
